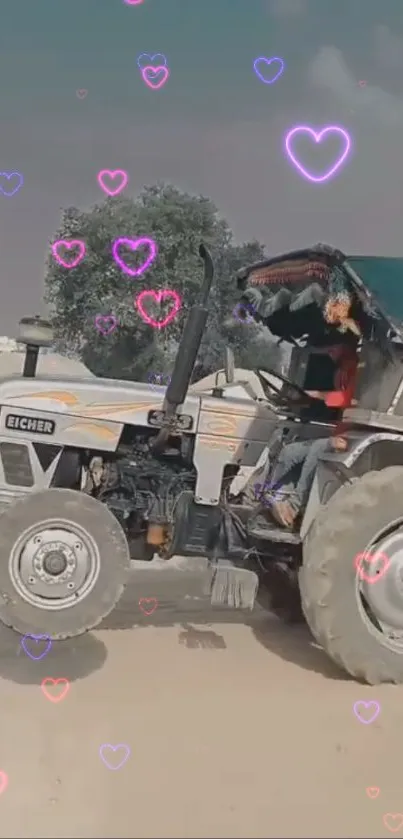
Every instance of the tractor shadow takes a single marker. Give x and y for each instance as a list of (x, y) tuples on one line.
[(197, 622), (295, 644), (72, 659)]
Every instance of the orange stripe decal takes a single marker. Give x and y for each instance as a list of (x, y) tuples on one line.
[(57, 395)]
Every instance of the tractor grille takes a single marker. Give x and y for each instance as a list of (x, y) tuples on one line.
[(16, 464)]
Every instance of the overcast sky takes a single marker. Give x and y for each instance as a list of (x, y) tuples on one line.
[(214, 128)]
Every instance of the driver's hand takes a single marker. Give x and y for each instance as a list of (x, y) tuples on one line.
[(339, 443)]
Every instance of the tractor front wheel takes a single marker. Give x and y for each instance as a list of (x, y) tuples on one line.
[(64, 561)]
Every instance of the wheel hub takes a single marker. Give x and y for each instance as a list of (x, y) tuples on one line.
[(53, 567), (55, 562), (382, 585)]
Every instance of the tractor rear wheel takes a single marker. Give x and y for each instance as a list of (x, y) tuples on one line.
[(351, 579)]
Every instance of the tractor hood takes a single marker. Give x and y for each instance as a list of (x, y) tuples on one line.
[(289, 293), (93, 398)]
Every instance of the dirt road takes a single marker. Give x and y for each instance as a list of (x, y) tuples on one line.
[(228, 726)]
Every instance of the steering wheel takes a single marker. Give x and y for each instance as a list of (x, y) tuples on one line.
[(294, 391)]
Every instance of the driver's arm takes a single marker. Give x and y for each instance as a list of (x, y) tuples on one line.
[(334, 398), (317, 394)]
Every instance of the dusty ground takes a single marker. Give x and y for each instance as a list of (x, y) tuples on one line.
[(236, 726)]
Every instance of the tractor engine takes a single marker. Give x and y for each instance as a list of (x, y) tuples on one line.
[(141, 489)]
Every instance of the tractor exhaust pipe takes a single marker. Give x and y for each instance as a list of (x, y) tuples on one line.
[(34, 332), (191, 340), (187, 351)]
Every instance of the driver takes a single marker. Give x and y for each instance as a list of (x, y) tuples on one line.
[(344, 380), (309, 452)]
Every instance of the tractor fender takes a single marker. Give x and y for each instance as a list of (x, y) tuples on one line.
[(367, 452)]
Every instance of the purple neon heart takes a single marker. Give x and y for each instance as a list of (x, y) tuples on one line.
[(36, 638), (9, 175), (161, 377), (134, 244), (268, 61), (248, 309), (151, 61), (317, 136), (106, 746), (106, 324)]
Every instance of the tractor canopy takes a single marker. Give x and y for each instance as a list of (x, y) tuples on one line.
[(317, 298), (291, 295), (382, 276)]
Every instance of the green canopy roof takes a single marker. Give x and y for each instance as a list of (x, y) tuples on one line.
[(383, 276)]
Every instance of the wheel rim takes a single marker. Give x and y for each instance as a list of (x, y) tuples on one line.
[(379, 586), (54, 564)]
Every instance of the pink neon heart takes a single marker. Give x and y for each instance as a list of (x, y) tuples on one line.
[(134, 244), (158, 296), (149, 73), (153, 605), (379, 572), (75, 243), (3, 781), (54, 683), (113, 175), (393, 821)]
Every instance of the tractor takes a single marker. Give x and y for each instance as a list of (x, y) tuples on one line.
[(99, 477)]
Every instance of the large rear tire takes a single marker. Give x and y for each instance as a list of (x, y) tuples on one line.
[(64, 562), (364, 519)]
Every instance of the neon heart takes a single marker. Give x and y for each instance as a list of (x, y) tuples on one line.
[(7, 175), (365, 557), (317, 136), (245, 313), (151, 59), (365, 707), (3, 781), (149, 73), (54, 683), (82, 93), (393, 821), (73, 245), (106, 324), (134, 244), (267, 62), (36, 638), (372, 792), (158, 379), (114, 749), (112, 174), (144, 600), (159, 296)]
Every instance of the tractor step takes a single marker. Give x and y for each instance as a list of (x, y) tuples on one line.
[(263, 530)]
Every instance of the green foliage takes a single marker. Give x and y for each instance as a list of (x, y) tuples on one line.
[(177, 222)]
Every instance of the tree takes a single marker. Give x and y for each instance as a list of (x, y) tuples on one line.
[(177, 222)]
